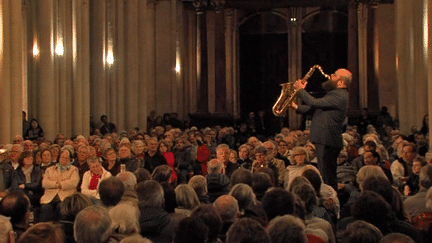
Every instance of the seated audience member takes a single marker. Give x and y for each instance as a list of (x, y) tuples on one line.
[(247, 230), (345, 171), (14, 155), (129, 180), (271, 147), (6, 171), (169, 156), (28, 178), (299, 158), (217, 182), (307, 194), (199, 184), (261, 183), (227, 208), (126, 157), (244, 157), (222, 154), (412, 185), (92, 225), (261, 163), (244, 195), (396, 238), (208, 215), (16, 205), (162, 173), (186, 199), (190, 230), (422, 221), (59, 182), (48, 232), (183, 160), (287, 228), (69, 209), (124, 221), (360, 231), (417, 204), (155, 222), (92, 178), (401, 168), (111, 163), (283, 151), (46, 159), (280, 197), (241, 176), (80, 162), (153, 158), (111, 191), (372, 208), (373, 158), (142, 175), (7, 234)]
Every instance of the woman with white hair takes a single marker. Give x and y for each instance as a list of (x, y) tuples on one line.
[(124, 221), (299, 157), (186, 198), (92, 179)]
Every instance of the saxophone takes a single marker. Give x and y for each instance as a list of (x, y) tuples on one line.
[(288, 92)]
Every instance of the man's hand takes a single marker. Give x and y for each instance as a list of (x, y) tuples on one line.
[(22, 186), (294, 106), (300, 84)]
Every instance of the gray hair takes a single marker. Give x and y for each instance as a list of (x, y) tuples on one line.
[(136, 238), (129, 180), (227, 207), (5, 228), (214, 166), (244, 195), (186, 196), (92, 225), (369, 171), (426, 176), (124, 219), (287, 228), (222, 146), (199, 184), (150, 194)]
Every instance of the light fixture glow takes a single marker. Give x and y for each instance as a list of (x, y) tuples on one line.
[(177, 68), (59, 49), (35, 49), (110, 58)]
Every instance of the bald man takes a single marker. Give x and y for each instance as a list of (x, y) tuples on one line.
[(327, 121)]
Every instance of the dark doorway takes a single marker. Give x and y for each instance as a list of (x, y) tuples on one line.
[(263, 62)]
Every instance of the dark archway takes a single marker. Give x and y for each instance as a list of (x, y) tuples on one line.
[(263, 61)]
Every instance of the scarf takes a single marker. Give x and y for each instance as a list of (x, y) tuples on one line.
[(27, 173), (94, 182), (63, 167)]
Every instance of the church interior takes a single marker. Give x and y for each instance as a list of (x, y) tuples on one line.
[(67, 62)]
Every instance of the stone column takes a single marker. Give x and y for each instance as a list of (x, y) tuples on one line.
[(230, 62), (294, 57), (11, 69), (142, 57), (98, 85), (428, 40), (372, 52), (150, 51), (411, 64), (115, 39), (131, 62), (202, 65), (220, 64), (362, 20), (353, 56), (46, 83)]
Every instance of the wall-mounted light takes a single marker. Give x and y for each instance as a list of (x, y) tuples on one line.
[(59, 48), (177, 68), (110, 58), (35, 49)]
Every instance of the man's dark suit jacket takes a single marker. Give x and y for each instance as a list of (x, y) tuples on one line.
[(327, 121)]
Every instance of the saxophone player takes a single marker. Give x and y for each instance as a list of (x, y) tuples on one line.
[(327, 121)]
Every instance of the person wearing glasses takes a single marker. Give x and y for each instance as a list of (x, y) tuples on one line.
[(299, 157)]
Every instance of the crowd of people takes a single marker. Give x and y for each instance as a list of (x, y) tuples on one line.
[(173, 183)]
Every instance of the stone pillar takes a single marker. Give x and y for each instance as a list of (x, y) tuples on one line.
[(353, 56), (362, 20), (294, 57), (11, 68), (80, 42), (427, 15), (411, 65), (46, 83), (115, 39), (372, 52), (142, 57), (230, 62), (131, 62), (150, 51), (220, 64), (98, 85), (202, 65)]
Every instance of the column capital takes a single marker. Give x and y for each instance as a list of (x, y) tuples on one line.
[(200, 5), (218, 4)]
